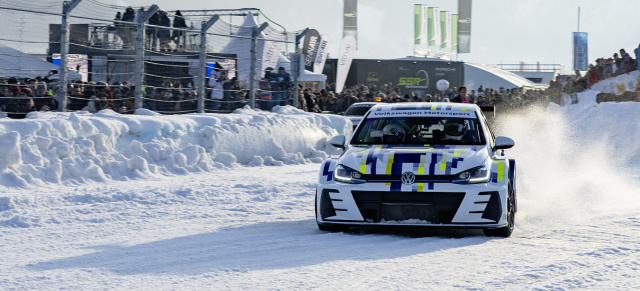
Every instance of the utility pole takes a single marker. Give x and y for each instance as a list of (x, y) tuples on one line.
[(203, 60), (63, 73), (578, 19)]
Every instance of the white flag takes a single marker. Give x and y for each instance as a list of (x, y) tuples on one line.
[(347, 48), (321, 56), (437, 37)]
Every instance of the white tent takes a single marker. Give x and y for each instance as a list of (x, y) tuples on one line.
[(306, 76), (267, 51), (14, 63)]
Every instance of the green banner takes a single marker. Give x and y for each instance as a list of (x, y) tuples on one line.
[(443, 29), (454, 32), (431, 26), (417, 23)]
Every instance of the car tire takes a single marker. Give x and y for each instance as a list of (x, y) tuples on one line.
[(511, 208)]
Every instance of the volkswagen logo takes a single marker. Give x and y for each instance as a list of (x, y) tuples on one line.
[(408, 178)]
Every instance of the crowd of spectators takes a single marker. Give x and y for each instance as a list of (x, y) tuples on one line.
[(618, 64), (275, 88), (327, 101), (604, 68), (19, 96)]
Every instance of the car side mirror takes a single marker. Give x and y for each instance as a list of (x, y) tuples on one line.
[(337, 141), (503, 142)]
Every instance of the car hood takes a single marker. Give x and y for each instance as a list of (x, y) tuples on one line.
[(419, 159)]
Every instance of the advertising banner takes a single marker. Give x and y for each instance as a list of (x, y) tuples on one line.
[(454, 32), (434, 26), (310, 48), (350, 18), (580, 57), (323, 52), (445, 23), (418, 77), (464, 26), (345, 57), (269, 49), (421, 20), (417, 24)]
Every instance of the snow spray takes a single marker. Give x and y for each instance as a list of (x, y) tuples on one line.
[(568, 170)]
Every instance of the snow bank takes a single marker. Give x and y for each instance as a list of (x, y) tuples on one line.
[(618, 84), (75, 148)]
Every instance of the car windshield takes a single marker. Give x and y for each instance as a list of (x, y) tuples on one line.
[(420, 130), (358, 110)]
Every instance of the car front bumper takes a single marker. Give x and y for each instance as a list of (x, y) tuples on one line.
[(448, 205)]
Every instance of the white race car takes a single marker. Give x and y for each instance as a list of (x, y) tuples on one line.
[(420, 164)]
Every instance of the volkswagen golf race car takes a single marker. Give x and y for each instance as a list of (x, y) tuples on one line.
[(420, 164)]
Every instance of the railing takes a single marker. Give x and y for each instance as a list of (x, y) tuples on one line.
[(555, 68)]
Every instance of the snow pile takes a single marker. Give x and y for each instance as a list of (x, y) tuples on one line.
[(74, 148), (575, 162), (618, 84)]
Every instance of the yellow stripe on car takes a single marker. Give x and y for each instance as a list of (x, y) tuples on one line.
[(389, 163), (423, 162), (443, 163)]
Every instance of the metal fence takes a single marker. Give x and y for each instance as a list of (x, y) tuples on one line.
[(123, 58)]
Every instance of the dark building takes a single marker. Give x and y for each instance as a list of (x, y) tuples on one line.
[(410, 74)]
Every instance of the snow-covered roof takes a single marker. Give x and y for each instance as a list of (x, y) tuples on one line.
[(478, 74)]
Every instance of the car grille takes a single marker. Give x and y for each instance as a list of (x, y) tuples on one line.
[(433, 207), (419, 178)]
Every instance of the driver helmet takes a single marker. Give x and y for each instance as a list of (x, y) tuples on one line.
[(455, 129), (395, 131)]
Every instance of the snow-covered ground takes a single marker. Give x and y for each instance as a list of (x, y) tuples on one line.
[(225, 202)]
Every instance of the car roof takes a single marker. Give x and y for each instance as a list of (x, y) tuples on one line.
[(365, 104), (438, 106)]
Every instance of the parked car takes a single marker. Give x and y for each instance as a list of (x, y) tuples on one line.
[(420, 164), (356, 111)]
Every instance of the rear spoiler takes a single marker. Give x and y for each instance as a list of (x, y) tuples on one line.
[(489, 111)]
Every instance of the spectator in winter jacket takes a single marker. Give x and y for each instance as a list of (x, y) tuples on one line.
[(127, 30), (179, 22), (617, 65), (462, 96), (607, 68), (593, 75), (629, 64)]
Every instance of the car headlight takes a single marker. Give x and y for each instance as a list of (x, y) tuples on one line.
[(345, 174), (480, 174)]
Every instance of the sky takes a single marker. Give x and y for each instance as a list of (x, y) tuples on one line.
[(149, 202), (503, 31)]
